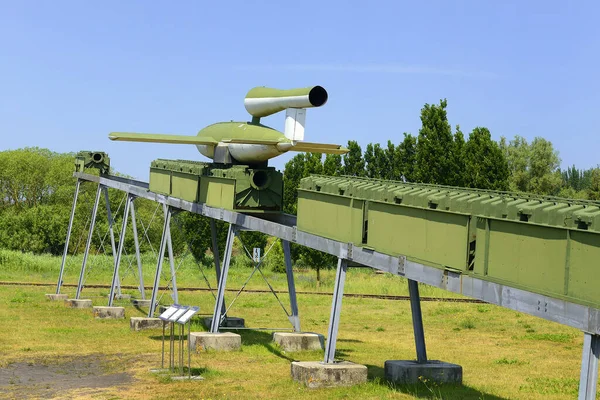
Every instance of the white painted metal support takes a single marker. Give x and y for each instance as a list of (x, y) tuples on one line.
[(216, 256), (174, 295), (336, 309), (117, 264), (111, 231), (159, 263), (294, 317), (588, 380), (219, 303), (417, 318), (137, 249), (88, 242), (69, 229)]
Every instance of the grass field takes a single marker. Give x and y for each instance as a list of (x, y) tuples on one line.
[(49, 350)]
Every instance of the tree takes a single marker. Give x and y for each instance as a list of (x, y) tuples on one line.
[(332, 165), (532, 167), (517, 154), (594, 189), (195, 233), (485, 165), (544, 174), (407, 158), (573, 178), (354, 164), (253, 239), (370, 165), (457, 177), (312, 164), (434, 146), (292, 174), (393, 162)]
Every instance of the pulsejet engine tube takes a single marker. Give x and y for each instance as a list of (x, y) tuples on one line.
[(263, 101)]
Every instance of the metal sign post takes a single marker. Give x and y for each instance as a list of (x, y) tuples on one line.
[(180, 315), (256, 254), (186, 318)]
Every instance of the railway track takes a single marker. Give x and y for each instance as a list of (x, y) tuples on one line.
[(200, 289)]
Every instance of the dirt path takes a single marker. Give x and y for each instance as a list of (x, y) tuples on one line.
[(51, 378)]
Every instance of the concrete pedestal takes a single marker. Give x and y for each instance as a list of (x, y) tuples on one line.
[(230, 322), (57, 297), (140, 303), (411, 372), (315, 374), (78, 303), (222, 341), (298, 341), (122, 297), (109, 312), (142, 323)]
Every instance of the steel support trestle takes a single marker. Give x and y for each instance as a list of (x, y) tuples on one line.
[(88, 242), (588, 380), (137, 248), (159, 262), (174, 295), (216, 256), (417, 319), (336, 309), (294, 317), (219, 303), (69, 229), (115, 278), (111, 231)]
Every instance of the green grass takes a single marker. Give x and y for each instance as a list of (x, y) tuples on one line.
[(551, 337), (491, 343), (17, 266)]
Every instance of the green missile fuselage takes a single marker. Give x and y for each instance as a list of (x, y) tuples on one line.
[(251, 142)]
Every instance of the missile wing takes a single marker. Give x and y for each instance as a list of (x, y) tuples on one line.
[(161, 138)]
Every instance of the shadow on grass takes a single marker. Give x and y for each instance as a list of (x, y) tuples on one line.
[(349, 341), (428, 389), (166, 376), (262, 338), (168, 337)]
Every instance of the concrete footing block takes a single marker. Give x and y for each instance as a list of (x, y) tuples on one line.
[(315, 374), (230, 322), (78, 303), (57, 297), (122, 297), (222, 341), (142, 323), (411, 372), (141, 303), (299, 341), (109, 312)]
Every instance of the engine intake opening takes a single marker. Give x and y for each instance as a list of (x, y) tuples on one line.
[(317, 96), (97, 157), (260, 179)]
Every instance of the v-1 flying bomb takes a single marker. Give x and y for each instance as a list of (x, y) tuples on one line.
[(252, 143)]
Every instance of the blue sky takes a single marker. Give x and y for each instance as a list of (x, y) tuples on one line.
[(72, 71)]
